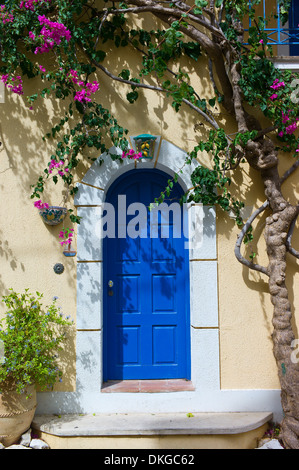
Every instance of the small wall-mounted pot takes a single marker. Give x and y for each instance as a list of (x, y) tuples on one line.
[(53, 215), (69, 252), (145, 143)]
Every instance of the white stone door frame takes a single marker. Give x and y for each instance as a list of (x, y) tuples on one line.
[(203, 264)]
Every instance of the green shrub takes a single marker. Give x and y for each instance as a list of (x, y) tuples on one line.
[(31, 338)]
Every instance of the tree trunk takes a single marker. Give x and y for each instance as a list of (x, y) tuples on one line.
[(262, 156), (276, 231), (275, 234)]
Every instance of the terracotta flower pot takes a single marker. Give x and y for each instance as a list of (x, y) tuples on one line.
[(16, 414)]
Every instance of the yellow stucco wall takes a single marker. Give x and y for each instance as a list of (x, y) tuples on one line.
[(29, 249)]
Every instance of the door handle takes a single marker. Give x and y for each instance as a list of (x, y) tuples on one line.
[(110, 291)]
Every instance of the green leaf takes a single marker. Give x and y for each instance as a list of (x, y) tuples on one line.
[(132, 96), (100, 56), (125, 74)]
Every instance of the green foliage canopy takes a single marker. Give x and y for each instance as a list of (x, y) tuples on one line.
[(78, 34)]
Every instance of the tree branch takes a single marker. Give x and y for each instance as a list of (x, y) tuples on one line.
[(217, 92), (289, 171), (100, 27), (212, 48), (265, 131), (290, 249), (238, 102), (208, 118), (143, 6), (240, 258)]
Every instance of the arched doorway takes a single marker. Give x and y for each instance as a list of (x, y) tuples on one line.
[(146, 282)]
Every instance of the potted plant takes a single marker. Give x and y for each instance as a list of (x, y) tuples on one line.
[(67, 235), (51, 215), (30, 337)]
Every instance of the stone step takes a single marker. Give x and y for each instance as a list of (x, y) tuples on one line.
[(145, 424)]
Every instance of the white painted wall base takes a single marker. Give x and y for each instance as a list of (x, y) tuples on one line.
[(186, 402)]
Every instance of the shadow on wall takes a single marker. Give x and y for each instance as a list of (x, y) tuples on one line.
[(23, 157), (66, 362), (22, 132), (153, 111), (7, 253)]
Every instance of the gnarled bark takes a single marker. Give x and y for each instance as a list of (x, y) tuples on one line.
[(262, 156), (276, 232)]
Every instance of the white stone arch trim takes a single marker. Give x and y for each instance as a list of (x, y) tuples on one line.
[(203, 263), (100, 176)]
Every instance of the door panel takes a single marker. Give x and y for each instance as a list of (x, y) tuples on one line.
[(146, 311)]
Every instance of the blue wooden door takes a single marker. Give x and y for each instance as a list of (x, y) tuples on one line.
[(146, 288), (294, 27)]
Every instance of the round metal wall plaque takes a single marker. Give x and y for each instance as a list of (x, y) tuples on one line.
[(58, 268)]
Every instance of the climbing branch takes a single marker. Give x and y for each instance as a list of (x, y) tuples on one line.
[(209, 119), (241, 236), (199, 29), (240, 258), (143, 6), (289, 171), (290, 249)]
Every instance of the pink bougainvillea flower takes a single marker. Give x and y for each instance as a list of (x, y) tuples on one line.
[(5, 16), (93, 87), (31, 4), (11, 83), (40, 205), (4, 78), (285, 117), (274, 97), (68, 235), (291, 128), (87, 88), (58, 166), (73, 74), (81, 96), (277, 84), (131, 154), (51, 33)]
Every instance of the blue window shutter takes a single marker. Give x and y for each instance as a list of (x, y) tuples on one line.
[(294, 28)]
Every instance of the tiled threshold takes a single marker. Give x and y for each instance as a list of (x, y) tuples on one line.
[(147, 386)]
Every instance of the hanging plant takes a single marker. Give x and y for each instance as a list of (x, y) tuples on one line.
[(67, 235), (53, 215)]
